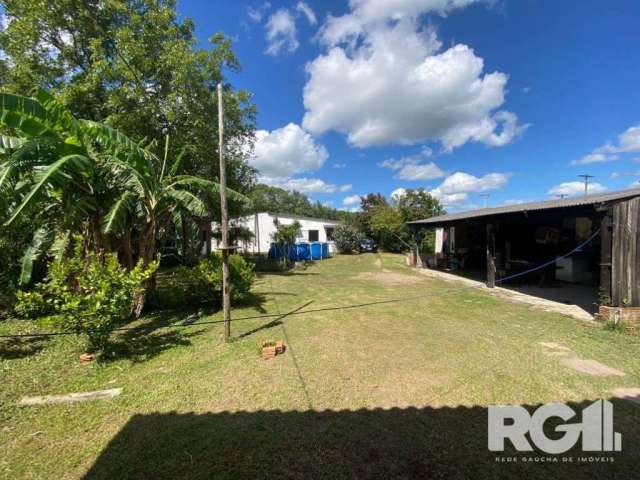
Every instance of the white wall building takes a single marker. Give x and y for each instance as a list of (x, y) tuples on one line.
[(263, 226)]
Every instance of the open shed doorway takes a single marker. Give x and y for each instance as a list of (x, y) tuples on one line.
[(520, 244)]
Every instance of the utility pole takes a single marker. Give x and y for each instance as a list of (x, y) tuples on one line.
[(586, 182), (224, 222), (486, 197)]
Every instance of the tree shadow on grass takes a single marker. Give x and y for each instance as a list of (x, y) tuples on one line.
[(256, 300), (391, 443), (15, 348), (152, 336)]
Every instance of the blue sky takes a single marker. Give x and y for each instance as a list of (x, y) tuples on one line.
[(460, 97)]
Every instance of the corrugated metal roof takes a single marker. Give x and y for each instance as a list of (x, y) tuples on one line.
[(533, 206)]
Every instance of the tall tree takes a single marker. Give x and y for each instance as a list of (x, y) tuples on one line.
[(417, 204), (266, 198), (134, 65)]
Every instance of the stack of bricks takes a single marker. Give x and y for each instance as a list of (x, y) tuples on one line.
[(627, 315), (270, 351)]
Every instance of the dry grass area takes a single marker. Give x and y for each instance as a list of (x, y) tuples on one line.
[(387, 375)]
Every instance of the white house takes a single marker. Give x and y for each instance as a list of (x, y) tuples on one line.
[(263, 225)]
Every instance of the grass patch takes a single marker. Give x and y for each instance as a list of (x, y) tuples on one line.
[(385, 390)]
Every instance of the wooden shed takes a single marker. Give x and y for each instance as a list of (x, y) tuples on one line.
[(590, 240)]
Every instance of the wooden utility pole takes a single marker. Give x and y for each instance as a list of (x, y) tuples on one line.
[(586, 183), (224, 222)]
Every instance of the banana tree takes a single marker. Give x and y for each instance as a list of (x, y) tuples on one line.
[(83, 176), (152, 197)]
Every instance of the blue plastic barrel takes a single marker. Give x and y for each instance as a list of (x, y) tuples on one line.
[(325, 250)]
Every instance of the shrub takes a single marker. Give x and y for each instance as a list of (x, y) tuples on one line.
[(347, 238), (87, 295), (202, 284), (31, 305), (241, 274)]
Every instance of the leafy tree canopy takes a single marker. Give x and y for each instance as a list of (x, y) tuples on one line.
[(278, 200), (134, 65)]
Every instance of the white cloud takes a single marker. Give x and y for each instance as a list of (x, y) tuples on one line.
[(398, 193), (628, 142), (306, 10), (366, 14), (456, 187), (287, 151), (339, 165), (427, 171), (5, 20), (281, 33), (305, 185), (257, 13), (453, 199), (595, 158), (383, 82), (412, 168), (461, 182), (575, 188), (351, 200)]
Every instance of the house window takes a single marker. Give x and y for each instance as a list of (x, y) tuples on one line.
[(329, 231), (314, 235)]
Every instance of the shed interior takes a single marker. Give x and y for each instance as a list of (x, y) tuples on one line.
[(519, 243)]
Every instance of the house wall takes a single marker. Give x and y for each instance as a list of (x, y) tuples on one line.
[(263, 227)]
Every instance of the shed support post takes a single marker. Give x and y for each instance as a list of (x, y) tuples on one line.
[(491, 266), (606, 227)]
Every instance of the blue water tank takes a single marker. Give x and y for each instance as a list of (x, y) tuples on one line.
[(302, 251), (316, 251)]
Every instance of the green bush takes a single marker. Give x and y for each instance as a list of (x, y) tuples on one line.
[(202, 284), (241, 274), (31, 305), (347, 238), (86, 295)]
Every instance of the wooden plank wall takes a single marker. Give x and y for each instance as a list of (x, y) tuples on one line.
[(625, 261)]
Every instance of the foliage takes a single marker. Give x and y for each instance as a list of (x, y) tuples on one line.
[(389, 229), (277, 200), (286, 233), (87, 295), (31, 304), (202, 284), (13, 243), (137, 65), (417, 204), (387, 223), (241, 274), (615, 326), (347, 238), (91, 179)]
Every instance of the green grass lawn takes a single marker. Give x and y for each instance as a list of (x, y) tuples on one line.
[(386, 390)]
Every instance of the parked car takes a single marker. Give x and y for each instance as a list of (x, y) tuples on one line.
[(367, 245)]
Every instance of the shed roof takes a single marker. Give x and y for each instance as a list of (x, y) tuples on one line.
[(533, 206)]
